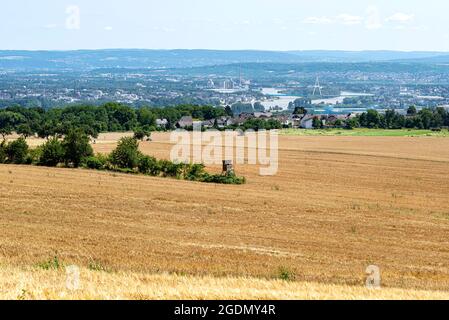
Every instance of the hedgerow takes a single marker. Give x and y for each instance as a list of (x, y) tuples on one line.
[(126, 158)]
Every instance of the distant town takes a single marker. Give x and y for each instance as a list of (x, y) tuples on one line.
[(322, 87)]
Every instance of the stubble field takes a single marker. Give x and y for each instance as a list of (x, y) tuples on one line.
[(336, 206)]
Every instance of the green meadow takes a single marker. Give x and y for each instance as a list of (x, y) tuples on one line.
[(363, 132)]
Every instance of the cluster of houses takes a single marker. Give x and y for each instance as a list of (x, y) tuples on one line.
[(303, 121), (188, 121)]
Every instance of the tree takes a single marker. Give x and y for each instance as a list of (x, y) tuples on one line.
[(240, 107), (8, 122), (301, 102), (352, 123), (52, 153), (127, 154), (411, 111), (16, 151), (427, 118), (300, 110), (24, 130), (228, 111), (393, 120), (5, 131), (142, 133), (46, 130), (317, 123), (338, 123), (145, 117), (76, 146), (121, 117), (272, 124), (370, 119)]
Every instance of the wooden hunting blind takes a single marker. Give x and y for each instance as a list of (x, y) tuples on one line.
[(227, 166)]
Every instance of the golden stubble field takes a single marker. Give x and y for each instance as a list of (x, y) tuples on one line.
[(337, 205)]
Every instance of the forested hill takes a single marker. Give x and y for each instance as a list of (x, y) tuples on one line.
[(136, 58)]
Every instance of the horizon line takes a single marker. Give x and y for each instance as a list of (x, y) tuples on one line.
[(228, 50)]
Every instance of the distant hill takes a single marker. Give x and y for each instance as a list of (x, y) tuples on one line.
[(364, 56), (440, 59), (272, 70), (136, 58)]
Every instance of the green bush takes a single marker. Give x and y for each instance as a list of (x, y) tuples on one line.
[(155, 169), (171, 169), (76, 147), (229, 178), (16, 151), (147, 164), (98, 162), (195, 172), (33, 156), (286, 274), (127, 154), (51, 264), (52, 153)]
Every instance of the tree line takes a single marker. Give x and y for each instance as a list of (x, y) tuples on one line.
[(427, 118), (424, 119), (110, 117), (113, 117)]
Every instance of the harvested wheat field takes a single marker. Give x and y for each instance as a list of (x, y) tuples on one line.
[(336, 206), (41, 284)]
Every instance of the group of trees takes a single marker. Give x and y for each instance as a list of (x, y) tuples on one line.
[(74, 150), (259, 124), (127, 158), (70, 151), (424, 119), (92, 120), (240, 107), (113, 117)]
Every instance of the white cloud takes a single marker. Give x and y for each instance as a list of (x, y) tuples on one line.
[(51, 26), (108, 28), (317, 20), (348, 19), (401, 18), (372, 20)]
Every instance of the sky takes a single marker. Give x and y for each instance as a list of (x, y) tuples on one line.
[(406, 25)]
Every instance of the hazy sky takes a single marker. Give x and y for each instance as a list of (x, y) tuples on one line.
[(225, 24)]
